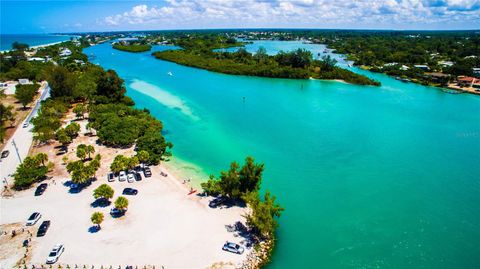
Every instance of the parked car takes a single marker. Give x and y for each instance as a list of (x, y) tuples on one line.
[(130, 177), (55, 254), (138, 176), (129, 191), (110, 177), (33, 218), (5, 153), (232, 247), (41, 189), (122, 176), (217, 201), (147, 172), (116, 212), (42, 230), (25, 124)]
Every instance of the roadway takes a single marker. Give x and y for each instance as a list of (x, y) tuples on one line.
[(19, 144)]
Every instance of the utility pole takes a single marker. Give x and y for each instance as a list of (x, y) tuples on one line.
[(16, 149)]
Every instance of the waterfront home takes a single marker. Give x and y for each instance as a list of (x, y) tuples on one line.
[(65, 52), (390, 64), (465, 81), (422, 66), (127, 40), (445, 63), (404, 68), (24, 81), (437, 77), (476, 71), (36, 59)]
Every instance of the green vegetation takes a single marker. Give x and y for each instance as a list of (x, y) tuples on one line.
[(79, 111), (121, 203), (103, 191), (6, 114), (298, 64), (25, 93), (133, 47), (243, 184), (81, 172), (32, 169), (97, 218), (121, 126), (48, 120), (122, 163)]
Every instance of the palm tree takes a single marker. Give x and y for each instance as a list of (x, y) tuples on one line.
[(143, 156), (97, 218), (121, 203), (89, 150), (42, 157)]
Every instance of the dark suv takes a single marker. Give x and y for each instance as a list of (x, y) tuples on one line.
[(42, 230), (41, 189), (147, 172)]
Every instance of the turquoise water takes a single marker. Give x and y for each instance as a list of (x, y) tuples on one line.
[(371, 177), (6, 41)]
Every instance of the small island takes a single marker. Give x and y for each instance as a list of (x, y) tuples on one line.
[(200, 52), (131, 45)]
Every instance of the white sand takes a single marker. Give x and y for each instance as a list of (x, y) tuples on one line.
[(163, 226)]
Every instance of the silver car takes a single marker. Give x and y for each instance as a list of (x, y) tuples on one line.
[(233, 247)]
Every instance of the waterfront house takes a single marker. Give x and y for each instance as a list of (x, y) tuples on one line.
[(445, 63), (465, 81), (437, 77), (422, 66), (476, 71), (24, 81), (404, 68), (65, 52), (36, 59)]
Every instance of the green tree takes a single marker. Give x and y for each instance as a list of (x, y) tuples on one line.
[(97, 218), (262, 217), (89, 149), (25, 93), (132, 162), (63, 138), (143, 156), (19, 46), (61, 82), (119, 164), (121, 203), (29, 171), (79, 111), (103, 191), (111, 85), (82, 151), (72, 129), (42, 158)]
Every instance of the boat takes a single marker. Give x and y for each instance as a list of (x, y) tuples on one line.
[(451, 91), (170, 73)]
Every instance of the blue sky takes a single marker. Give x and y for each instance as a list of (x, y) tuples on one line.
[(88, 15)]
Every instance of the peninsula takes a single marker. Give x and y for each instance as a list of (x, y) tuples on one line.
[(199, 51)]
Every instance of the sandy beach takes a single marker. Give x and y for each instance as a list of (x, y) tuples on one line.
[(164, 226)]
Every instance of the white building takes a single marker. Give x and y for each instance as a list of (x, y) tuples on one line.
[(445, 63), (65, 52)]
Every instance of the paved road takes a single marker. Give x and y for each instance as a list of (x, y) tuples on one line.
[(23, 138)]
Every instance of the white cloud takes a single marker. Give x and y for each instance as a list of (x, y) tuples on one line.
[(297, 13)]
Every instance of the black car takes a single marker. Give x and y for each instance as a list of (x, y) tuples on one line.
[(5, 153), (41, 189), (129, 191), (137, 176), (147, 172), (216, 202), (42, 230)]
